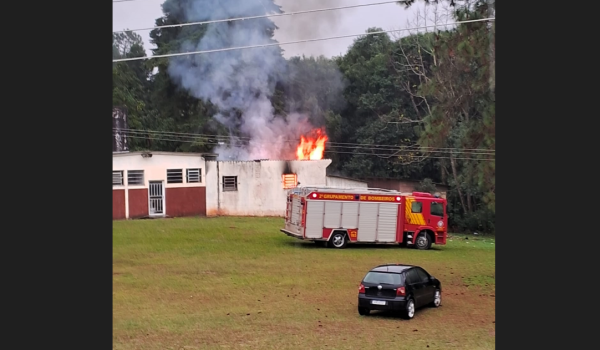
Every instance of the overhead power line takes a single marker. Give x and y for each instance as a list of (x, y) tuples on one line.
[(254, 17), (380, 155), (371, 146), (295, 42), (250, 17), (410, 151)]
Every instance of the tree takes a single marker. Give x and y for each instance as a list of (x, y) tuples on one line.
[(459, 87), (379, 114), (130, 82)]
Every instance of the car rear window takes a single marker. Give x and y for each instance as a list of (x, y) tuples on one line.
[(383, 277)]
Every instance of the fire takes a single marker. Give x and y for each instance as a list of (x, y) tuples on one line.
[(312, 145)]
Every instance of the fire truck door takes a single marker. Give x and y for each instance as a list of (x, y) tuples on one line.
[(436, 217), (414, 209)]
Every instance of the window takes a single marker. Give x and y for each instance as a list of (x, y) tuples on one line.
[(423, 277), (412, 276), (194, 175), (437, 209), (416, 207), (289, 180), (135, 177), (174, 176), (118, 178), (383, 277), (229, 183)]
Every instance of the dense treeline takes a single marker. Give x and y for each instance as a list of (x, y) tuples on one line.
[(419, 107)]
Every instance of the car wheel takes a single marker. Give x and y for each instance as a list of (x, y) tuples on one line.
[(363, 311), (423, 241), (437, 298), (338, 240), (409, 312)]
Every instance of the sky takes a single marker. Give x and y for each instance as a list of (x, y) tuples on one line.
[(139, 14)]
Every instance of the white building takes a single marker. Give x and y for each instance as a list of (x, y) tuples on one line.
[(258, 188), (345, 182), (155, 184), (158, 184)]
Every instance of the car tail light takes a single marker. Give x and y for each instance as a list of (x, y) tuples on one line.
[(361, 289), (401, 291)]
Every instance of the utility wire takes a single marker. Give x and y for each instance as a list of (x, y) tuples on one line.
[(297, 41), (329, 143), (252, 17), (223, 138), (381, 155), (407, 152)]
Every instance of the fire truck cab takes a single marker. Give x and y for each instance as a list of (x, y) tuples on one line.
[(338, 216)]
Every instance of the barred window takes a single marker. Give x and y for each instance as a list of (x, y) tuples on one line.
[(174, 176), (118, 178), (230, 183), (194, 175), (135, 177)]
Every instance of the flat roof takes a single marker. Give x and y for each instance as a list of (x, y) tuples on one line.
[(273, 160), (398, 180), (347, 178), (188, 154)]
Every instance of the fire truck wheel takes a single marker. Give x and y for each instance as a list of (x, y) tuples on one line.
[(338, 240), (423, 241)]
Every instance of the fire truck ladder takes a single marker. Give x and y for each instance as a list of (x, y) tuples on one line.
[(304, 191)]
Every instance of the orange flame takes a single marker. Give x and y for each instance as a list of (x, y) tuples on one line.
[(312, 145)]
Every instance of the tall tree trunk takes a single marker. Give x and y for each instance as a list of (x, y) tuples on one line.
[(454, 173), (469, 203), (443, 171), (491, 51)]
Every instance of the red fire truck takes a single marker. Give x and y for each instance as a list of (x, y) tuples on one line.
[(335, 217)]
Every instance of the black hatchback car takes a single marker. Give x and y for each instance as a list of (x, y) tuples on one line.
[(399, 288)]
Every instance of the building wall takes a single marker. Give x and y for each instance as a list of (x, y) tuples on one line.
[(118, 204), (182, 199), (334, 181), (404, 186), (212, 189), (138, 202), (189, 201), (155, 167), (260, 189)]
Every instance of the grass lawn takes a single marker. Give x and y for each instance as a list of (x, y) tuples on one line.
[(239, 283)]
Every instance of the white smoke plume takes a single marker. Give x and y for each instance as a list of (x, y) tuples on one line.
[(239, 82), (312, 25)]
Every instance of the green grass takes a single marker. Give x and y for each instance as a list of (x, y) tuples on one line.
[(229, 283)]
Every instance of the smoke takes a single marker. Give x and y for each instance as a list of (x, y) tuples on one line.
[(239, 82), (272, 138), (311, 25)]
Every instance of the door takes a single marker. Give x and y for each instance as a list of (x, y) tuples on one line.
[(413, 212), (413, 281), (436, 215), (428, 288), (156, 199)]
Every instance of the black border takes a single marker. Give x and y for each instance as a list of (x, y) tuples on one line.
[(60, 219), (540, 112)]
